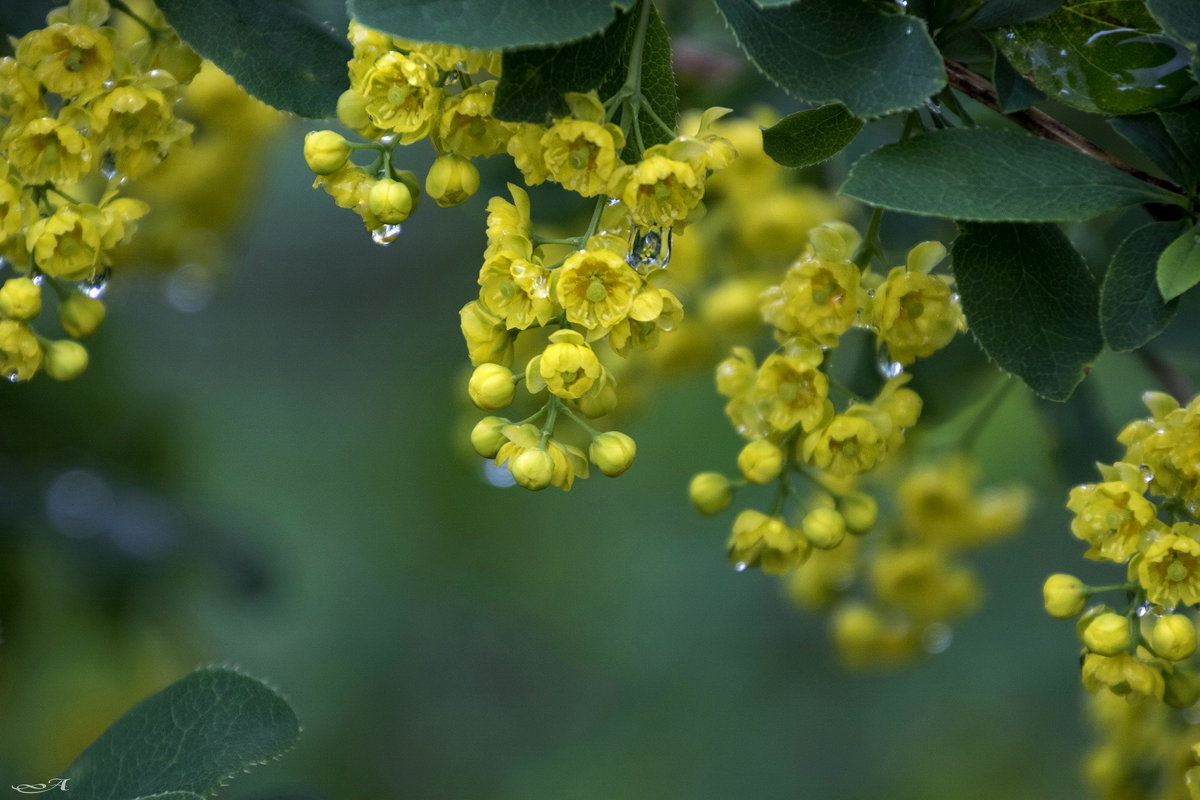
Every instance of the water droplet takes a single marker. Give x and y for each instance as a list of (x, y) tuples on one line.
[(740, 566), (1143, 609), (38, 279), (884, 363), (451, 78), (648, 250), (908, 29), (936, 638), (385, 235), (97, 285), (108, 166), (870, 292), (14, 377)]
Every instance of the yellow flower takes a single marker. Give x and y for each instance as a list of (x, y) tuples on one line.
[(79, 314), (46, 151), (14, 212), (66, 245), (466, 126), (567, 366), (1063, 595), (528, 153), (1111, 517), (400, 95), (20, 299), (325, 152), (491, 386), (710, 492), (1169, 446), (767, 542), (566, 462), (817, 300), (596, 288), (516, 289), (451, 56), (20, 93), (851, 443), (658, 190), (1174, 637), (581, 155), (653, 310), (919, 581), (67, 59), (612, 452), (138, 125), (1169, 568), (790, 391), (915, 313), (488, 341), (64, 360), (507, 219), (20, 351), (1122, 674)]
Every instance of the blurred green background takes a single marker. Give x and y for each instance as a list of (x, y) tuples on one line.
[(275, 479)]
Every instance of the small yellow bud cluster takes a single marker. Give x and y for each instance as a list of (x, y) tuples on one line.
[(1142, 514), (80, 97), (892, 601), (400, 93)]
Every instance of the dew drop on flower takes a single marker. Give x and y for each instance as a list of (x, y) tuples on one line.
[(97, 285), (108, 167), (38, 279), (886, 366), (385, 235), (740, 566), (648, 250), (13, 377), (1143, 609)]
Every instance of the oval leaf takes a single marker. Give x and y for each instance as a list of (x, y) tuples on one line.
[(271, 48), (489, 24), (1030, 302), (1179, 264), (1013, 92), (1132, 311), (840, 51), (1180, 19), (991, 175), (810, 137), (1102, 56), (1005, 12), (1148, 133), (190, 737)]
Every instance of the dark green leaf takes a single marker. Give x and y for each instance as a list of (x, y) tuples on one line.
[(190, 737), (1132, 311), (489, 24), (1183, 126), (993, 175), (1012, 90), (840, 51), (658, 84), (1180, 19), (1102, 56), (534, 80), (273, 49), (810, 137), (1006, 12), (1030, 302), (1148, 133), (1179, 264)]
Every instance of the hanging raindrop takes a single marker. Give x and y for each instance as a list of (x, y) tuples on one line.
[(884, 363), (385, 235), (97, 285), (649, 250)]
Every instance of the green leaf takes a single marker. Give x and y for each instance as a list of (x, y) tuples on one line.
[(810, 137), (190, 737), (1180, 19), (1183, 126), (1030, 302), (1179, 264), (1102, 56), (1148, 133), (1132, 311), (993, 175), (658, 83), (840, 51), (1005, 12), (534, 80), (489, 24), (273, 49), (1012, 90)]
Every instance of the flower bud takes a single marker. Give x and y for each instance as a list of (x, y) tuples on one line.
[(860, 511), (1181, 687), (325, 151), (612, 452), (825, 528), (532, 469), (80, 314), (390, 200), (487, 436), (64, 360), (491, 386), (1064, 595), (760, 461), (710, 492), (1173, 637), (1108, 634), (352, 111), (451, 180), (20, 299), (598, 402)]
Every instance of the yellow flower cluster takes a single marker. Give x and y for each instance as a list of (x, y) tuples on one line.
[(891, 595), (1142, 514), (83, 107)]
